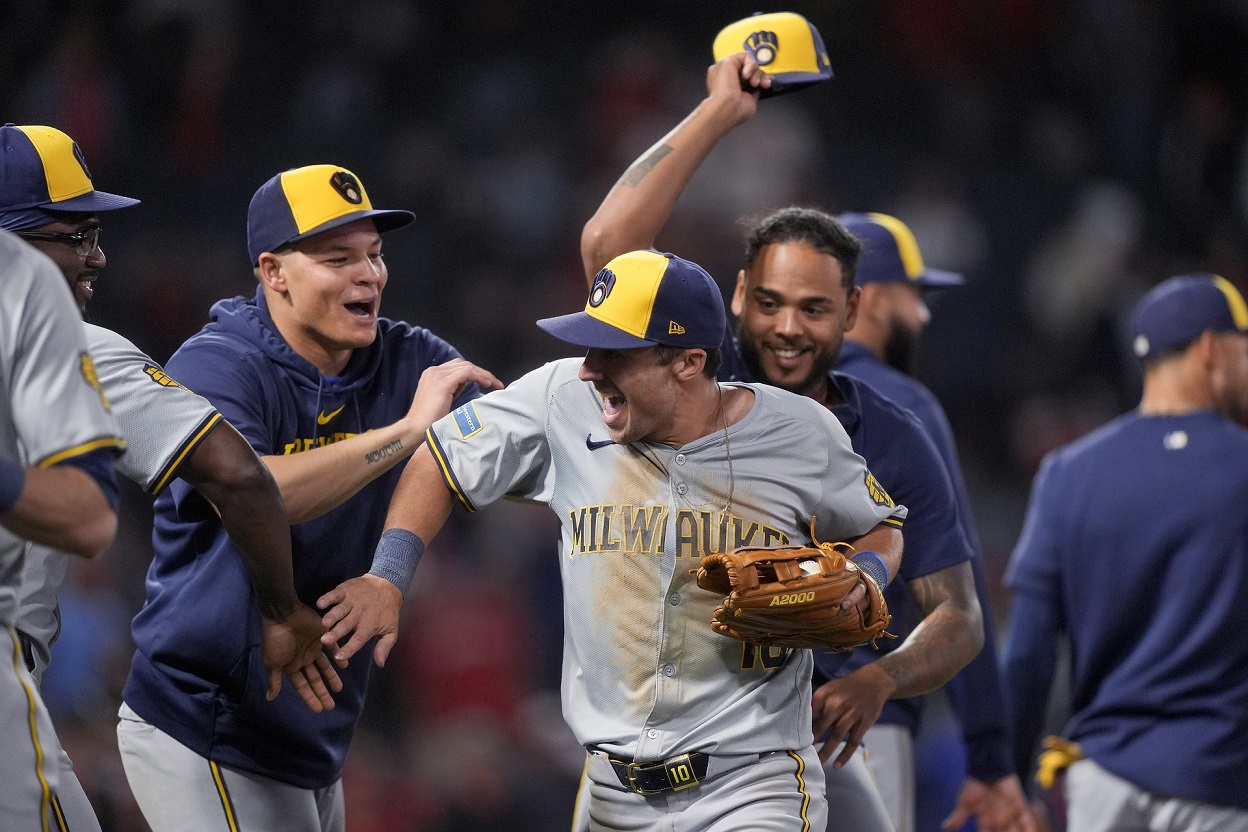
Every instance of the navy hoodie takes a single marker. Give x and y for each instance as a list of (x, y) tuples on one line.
[(198, 673)]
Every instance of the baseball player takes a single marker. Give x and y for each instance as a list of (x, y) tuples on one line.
[(57, 443), (878, 349), (650, 463), (1135, 550), (171, 433), (795, 300), (333, 397)]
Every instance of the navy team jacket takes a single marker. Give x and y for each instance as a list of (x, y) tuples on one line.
[(977, 692), (198, 673)]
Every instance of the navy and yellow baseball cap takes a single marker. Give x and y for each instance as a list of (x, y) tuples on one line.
[(890, 254), (1177, 311), (298, 203), (785, 45), (41, 171), (645, 298)]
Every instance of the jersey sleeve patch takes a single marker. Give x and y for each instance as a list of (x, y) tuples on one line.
[(87, 366), (467, 420), (161, 377), (878, 494)]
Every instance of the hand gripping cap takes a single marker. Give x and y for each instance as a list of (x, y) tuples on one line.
[(786, 46)]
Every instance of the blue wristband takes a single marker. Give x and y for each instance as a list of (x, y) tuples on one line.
[(873, 565), (396, 557), (12, 484)]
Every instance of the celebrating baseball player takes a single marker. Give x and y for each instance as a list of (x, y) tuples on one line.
[(48, 199), (333, 397), (57, 443), (796, 299), (1135, 550), (652, 465)]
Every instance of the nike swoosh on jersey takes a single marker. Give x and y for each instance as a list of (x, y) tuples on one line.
[(594, 445), (323, 418)]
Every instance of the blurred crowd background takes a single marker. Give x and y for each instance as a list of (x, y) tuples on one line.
[(1065, 155)]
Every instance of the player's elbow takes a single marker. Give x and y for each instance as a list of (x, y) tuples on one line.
[(241, 480), (226, 470), (598, 246), (91, 533), (969, 621)]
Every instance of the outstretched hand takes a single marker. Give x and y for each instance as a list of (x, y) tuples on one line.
[(292, 647), (999, 806), (441, 384), (362, 608), (845, 708)]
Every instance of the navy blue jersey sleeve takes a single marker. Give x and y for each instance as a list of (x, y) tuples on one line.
[(976, 693), (98, 465), (1029, 660)]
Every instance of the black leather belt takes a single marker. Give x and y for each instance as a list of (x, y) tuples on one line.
[(672, 775)]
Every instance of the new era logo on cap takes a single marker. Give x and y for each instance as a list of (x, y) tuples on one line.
[(645, 298), (1177, 311), (42, 168), (786, 45), (298, 203), (890, 254)]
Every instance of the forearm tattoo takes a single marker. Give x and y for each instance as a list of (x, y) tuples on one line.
[(633, 176), (384, 451), (941, 641)]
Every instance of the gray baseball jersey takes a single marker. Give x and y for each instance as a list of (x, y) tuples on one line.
[(644, 676), (162, 422), (51, 410)]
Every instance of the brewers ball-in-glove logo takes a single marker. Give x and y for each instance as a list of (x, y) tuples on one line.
[(604, 282), (347, 186), (763, 46), (81, 159)]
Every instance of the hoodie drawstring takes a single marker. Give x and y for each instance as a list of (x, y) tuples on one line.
[(316, 411)]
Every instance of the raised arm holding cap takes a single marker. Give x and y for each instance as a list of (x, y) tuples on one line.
[(795, 300)]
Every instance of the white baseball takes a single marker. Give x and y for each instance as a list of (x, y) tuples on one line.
[(809, 567)]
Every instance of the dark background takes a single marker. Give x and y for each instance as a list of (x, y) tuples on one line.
[(1064, 155)]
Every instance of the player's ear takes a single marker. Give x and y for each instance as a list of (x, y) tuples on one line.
[(851, 307), (689, 363), (1206, 350), (738, 294), (872, 302), (270, 273)]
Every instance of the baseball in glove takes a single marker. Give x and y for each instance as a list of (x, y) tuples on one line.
[(790, 596)]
